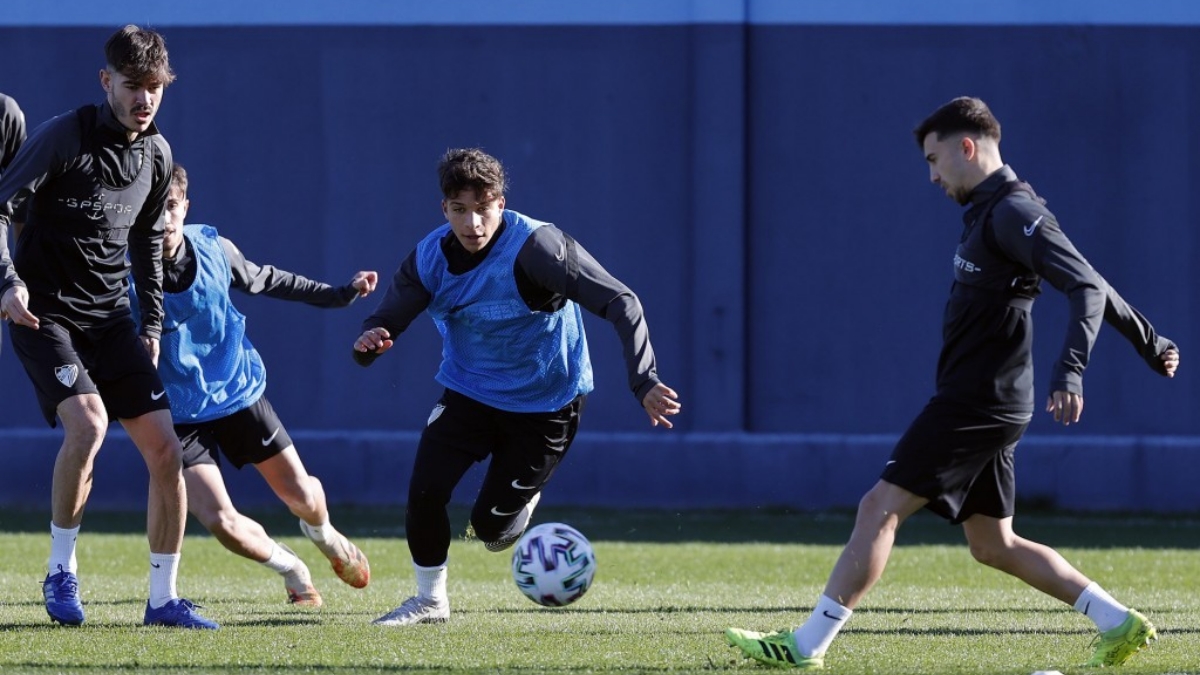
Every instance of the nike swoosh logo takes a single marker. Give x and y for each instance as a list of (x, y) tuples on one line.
[(517, 485), (267, 441), (502, 513), (155, 565), (155, 396), (1033, 226), (830, 616)]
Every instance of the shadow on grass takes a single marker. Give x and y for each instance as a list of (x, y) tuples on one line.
[(767, 525)]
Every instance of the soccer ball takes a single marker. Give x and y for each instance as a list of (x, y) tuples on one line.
[(553, 564)]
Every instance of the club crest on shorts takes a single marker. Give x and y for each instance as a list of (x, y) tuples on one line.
[(435, 413), (67, 374)]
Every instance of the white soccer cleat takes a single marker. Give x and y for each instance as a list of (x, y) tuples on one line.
[(416, 610)]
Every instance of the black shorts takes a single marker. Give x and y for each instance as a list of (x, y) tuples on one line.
[(525, 449), (248, 436), (961, 460), (65, 361)]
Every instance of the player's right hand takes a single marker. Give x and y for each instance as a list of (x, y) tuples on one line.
[(1066, 407), (377, 340), (15, 306), (1170, 362)]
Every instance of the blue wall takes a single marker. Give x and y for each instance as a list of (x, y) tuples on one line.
[(755, 181)]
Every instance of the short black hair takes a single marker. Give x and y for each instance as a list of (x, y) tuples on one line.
[(964, 114), (471, 169), (139, 54)]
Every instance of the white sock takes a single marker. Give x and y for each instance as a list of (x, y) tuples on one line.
[(1101, 608), (164, 569), (281, 560), (431, 582), (323, 533), (62, 549), (815, 636)]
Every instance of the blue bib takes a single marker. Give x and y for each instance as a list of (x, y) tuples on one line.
[(207, 363), (494, 348)]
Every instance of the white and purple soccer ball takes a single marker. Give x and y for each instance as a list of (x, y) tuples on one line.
[(553, 564)]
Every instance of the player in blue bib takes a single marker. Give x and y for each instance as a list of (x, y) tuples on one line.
[(505, 292)]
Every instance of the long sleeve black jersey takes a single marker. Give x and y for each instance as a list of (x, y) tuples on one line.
[(252, 279), (551, 268), (12, 130), (1009, 243), (95, 205)]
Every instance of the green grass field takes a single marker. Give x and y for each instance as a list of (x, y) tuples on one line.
[(668, 584)]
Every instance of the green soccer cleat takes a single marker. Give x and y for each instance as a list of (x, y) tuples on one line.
[(774, 649), (1122, 642)]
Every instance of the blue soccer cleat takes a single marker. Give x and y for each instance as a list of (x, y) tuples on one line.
[(179, 613), (62, 598)]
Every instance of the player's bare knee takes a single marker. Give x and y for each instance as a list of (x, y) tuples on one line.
[(990, 553), (163, 456), (85, 432), (211, 520), (874, 514)]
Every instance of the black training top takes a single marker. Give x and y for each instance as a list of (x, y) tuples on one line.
[(986, 360), (94, 197), (546, 282), (12, 130), (180, 272)]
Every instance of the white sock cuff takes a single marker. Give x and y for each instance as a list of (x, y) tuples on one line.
[(815, 636), (1096, 604), (62, 549), (281, 560), (431, 582), (324, 533), (836, 610)]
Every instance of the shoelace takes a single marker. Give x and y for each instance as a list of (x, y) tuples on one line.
[(65, 587)]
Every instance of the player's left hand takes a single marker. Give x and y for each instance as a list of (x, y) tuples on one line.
[(364, 282), (151, 345), (1067, 407), (660, 402)]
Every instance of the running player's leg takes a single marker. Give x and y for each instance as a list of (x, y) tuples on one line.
[(133, 393), (457, 434), (1123, 631), (209, 500), (532, 447), (84, 422), (933, 465), (66, 391), (994, 543), (255, 436), (861, 563)]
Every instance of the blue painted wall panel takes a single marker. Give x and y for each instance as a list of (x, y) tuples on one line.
[(756, 184)]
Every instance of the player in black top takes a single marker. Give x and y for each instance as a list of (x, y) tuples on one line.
[(93, 184), (957, 457), (12, 130)]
